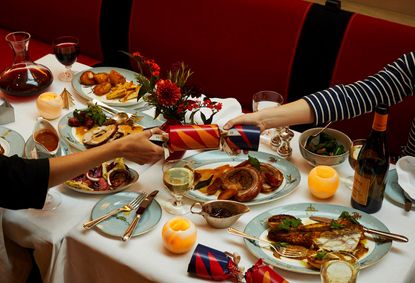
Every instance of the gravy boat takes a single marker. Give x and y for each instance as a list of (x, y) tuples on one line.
[(220, 213), (48, 145)]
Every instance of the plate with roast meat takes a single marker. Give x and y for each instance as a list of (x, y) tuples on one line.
[(90, 127), (344, 235), (252, 179)]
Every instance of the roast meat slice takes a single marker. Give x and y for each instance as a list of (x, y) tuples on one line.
[(99, 135), (246, 181)]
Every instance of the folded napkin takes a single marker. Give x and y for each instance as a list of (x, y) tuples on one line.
[(405, 167), (231, 108)]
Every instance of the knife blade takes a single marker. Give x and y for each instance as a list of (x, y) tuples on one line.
[(386, 235), (138, 214)]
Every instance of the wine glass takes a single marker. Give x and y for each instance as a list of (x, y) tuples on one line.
[(178, 178), (353, 154), (66, 50)]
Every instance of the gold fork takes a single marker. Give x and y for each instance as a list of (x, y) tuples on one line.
[(132, 205), (290, 251)]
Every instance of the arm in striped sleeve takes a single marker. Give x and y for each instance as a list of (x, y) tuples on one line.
[(389, 86)]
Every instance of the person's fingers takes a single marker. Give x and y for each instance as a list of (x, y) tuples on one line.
[(157, 131), (229, 124)]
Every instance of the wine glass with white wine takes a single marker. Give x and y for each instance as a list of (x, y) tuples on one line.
[(178, 177)]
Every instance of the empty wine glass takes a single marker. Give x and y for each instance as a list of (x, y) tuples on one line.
[(178, 178), (66, 50)]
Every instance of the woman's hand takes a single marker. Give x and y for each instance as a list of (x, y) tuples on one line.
[(138, 148), (246, 119)]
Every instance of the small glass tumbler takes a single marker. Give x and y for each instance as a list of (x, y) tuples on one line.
[(341, 270)]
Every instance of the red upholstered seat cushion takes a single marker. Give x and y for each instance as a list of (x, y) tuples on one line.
[(47, 19), (368, 45), (234, 47)]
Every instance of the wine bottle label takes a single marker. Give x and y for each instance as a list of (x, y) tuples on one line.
[(380, 122), (361, 187)]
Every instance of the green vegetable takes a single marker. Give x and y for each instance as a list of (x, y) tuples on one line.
[(324, 144), (254, 162), (346, 215), (320, 255), (94, 112), (335, 225), (289, 223), (203, 183)]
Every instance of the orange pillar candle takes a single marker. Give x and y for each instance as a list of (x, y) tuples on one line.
[(179, 235), (323, 181), (49, 105)]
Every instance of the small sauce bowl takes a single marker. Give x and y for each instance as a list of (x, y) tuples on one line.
[(220, 213)]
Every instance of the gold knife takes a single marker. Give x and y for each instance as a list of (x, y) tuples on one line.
[(140, 210), (386, 235)]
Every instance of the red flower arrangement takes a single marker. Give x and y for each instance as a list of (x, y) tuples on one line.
[(172, 95)]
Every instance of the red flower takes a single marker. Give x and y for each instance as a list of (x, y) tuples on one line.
[(218, 106), (136, 54), (168, 94)]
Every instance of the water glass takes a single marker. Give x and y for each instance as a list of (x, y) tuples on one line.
[(266, 99)]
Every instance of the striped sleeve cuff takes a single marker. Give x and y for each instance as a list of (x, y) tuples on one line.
[(315, 105)]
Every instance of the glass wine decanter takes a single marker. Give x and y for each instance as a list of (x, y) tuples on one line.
[(24, 77)]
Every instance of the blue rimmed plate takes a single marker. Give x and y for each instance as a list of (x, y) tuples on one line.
[(393, 190), (11, 142), (30, 151), (115, 226), (215, 158), (69, 133), (87, 93), (258, 228)]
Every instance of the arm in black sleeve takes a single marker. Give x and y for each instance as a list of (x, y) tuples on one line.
[(24, 182)]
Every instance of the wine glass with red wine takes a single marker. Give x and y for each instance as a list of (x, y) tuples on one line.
[(66, 50)]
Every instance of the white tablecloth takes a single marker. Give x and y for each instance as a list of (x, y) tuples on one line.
[(90, 256)]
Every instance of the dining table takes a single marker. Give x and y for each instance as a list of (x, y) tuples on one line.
[(65, 252)]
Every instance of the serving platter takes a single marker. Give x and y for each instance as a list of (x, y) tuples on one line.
[(115, 226), (258, 228), (87, 93), (68, 133), (393, 190), (215, 158), (11, 142)]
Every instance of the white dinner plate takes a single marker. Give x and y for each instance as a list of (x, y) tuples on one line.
[(258, 227), (215, 158), (68, 133), (11, 142), (115, 226), (86, 91), (134, 178)]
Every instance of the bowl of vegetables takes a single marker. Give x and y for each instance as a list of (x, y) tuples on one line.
[(331, 147)]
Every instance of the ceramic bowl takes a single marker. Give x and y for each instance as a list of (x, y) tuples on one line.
[(317, 159)]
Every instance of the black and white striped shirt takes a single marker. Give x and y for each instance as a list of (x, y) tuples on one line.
[(390, 86)]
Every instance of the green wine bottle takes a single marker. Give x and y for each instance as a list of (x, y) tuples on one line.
[(372, 166)]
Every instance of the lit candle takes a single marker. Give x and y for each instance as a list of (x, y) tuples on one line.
[(49, 105), (323, 181), (179, 235)]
